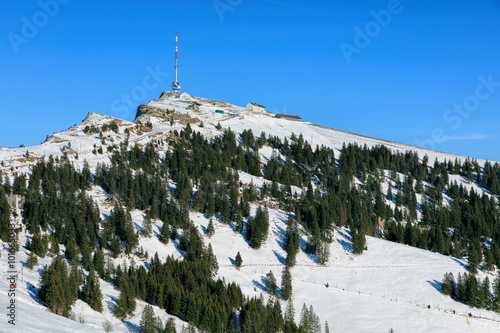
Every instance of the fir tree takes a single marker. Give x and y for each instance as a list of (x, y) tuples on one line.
[(496, 293), (4, 215), (291, 241), (289, 313), (165, 233), (270, 283), (286, 283), (98, 261), (148, 320), (147, 227), (474, 256), (31, 261), (170, 326), (448, 286), (52, 292), (126, 301), (91, 292), (237, 260), (210, 228), (212, 260), (37, 246)]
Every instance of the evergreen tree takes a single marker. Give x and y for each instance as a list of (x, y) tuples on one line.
[(147, 227), (31, 261), (165, 233), (37, 246), (148, 320), (496, 293), (289, 313), (291, 241), (448, 286), (212, 260), (170, 326), (323, 252), (91, 292), (286, 283), (98, 261), (4, 215), (52, 291), (210, 228), (305, 322), (126, 301), (237, 260), (474, 256), (76, 279), (270, 283), (358, 241)]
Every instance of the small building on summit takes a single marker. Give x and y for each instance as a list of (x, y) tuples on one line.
[(287, 117), (256, 108)]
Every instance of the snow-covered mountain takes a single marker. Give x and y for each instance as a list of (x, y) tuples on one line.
[(389, 286)]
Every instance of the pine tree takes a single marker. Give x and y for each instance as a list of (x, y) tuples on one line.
[(37, 246), (485, 298), (210, 228), (289, 313), (4, 215), (327, 329), (76, 279), (165, 233), (126, 302), (305, 323), (237, 260), (286, 283), (98, 261), (52, 292), (91, 292), (448, 285), (496, 294), (32, 261), (147, 227), (212, 260), (474, 256), (291, 241), (270, 282), (148, 320), (358, 241), (323, 252), (170, 326), (489, 260)]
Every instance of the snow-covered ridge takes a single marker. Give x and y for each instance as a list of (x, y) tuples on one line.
[(389, 286)]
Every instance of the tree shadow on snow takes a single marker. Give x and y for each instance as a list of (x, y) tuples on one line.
[(233, 262), (345, 240), (131, 326), (280, 258), (111, 303), (436, 285), (460, 262), (261, 285), (204, 229), (33, 292), (280, 236), (303, 246)]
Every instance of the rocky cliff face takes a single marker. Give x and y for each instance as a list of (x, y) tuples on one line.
[(149, 110)]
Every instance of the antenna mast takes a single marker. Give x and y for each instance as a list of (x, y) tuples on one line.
[(176, 86)]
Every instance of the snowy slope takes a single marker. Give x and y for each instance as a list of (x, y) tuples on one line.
[(389, 286)]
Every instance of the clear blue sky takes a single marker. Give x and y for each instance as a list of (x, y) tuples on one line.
[(395, 77)]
